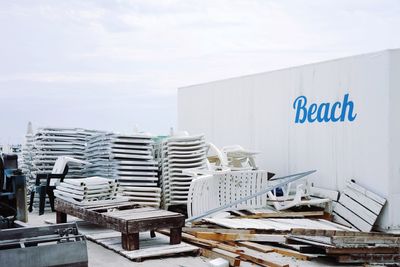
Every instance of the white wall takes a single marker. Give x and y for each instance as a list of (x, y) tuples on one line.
[(257, 112)]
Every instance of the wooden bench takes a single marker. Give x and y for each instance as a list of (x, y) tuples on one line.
[(127, 218)]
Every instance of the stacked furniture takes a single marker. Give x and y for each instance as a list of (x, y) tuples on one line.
[(26, 164), (87, 190), (130, 160), (51, 143), (180, 154)]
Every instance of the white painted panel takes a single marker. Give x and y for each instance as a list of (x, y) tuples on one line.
[(257, 112)]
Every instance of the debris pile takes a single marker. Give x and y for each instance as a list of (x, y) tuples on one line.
[(351, 247), (287, 238)]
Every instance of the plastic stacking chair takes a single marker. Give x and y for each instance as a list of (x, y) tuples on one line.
[(59, 172), (9, 166)]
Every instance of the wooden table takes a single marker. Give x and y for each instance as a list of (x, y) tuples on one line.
[(127, 218)]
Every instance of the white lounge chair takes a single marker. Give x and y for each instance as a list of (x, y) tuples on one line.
[(216, 189)]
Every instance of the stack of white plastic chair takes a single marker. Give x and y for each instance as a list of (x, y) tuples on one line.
[(50, 143), (26, 164), (179, 154), (87, 190), (128, 158)]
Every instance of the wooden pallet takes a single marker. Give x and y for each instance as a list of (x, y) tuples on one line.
[(150, 247)]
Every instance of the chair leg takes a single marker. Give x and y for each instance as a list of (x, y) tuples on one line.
[(42, 199), (50, 193), (31, 200)]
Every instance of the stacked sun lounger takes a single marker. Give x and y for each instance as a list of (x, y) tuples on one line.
[(128, 158), (87, 190), (179, 154), (51, 143), (26, 163)]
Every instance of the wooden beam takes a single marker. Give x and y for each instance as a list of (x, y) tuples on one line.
[(232, 258), (217, 230), (282, 251), (286, 214), (258, 258), (240, 237), (367, 250)]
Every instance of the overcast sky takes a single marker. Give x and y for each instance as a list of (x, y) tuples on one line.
[(113, 64)]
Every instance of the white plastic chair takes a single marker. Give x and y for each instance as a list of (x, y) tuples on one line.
[(216, 189)]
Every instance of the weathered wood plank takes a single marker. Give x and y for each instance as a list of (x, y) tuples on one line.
[(365, 250), (370, 258), (361, 198), (351, 241), (282, 251), (149, 247), (367, 193), (216, 230), (352, 218), (286, 214), (240, 237), (258, 258), (232, 258), (324, 193), (358, 209)]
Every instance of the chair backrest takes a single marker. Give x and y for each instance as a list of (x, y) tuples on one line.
[(214, 190), (61, 164), (10, 161)]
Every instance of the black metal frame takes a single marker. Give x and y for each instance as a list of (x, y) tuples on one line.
[(43, 189)]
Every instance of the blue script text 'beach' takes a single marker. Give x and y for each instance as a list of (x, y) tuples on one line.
[(324, 112)]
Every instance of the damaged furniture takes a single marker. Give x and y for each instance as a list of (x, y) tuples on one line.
[(215, 190), (60, 170), (127, 218), (289, 199), (30, 246)]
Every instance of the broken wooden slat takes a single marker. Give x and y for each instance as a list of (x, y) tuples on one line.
[(217, 230), (294, 214), (352, 218), (370, 258), (351, 241), (258, 258), (365, 250), (308, 249), (240, 237), (232, 258), (369, 194), (282, 251), (361, 198), (358, 209), (204, 242), (340, 220), (316, 232), (324, 193), (313, 232), (319, 241)]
